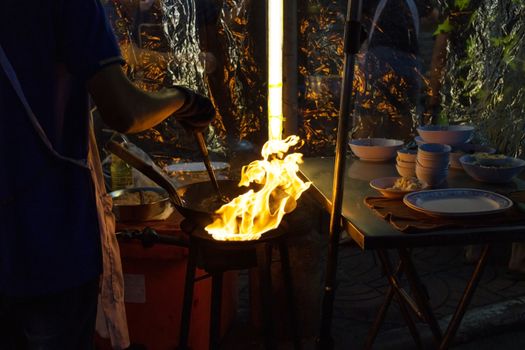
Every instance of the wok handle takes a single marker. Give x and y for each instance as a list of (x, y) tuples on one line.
[(147, 169), (206, 158)]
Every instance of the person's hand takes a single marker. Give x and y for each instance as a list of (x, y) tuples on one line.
[(196, 113)]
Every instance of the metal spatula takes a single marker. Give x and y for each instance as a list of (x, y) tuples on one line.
[(206, 158)]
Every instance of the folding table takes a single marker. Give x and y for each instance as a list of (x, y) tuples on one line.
[(370, 231)]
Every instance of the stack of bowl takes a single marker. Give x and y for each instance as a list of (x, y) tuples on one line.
[(432, 163), (406, 162)]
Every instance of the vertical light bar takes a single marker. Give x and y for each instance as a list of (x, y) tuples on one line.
[(275, 69)]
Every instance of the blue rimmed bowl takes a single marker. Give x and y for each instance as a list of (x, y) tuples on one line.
[(500, 173), (447, 134)]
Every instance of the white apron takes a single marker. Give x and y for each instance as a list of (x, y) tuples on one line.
[(111, 318)]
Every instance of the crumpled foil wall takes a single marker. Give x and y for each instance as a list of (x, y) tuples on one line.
[(320, 62), (205, 45), (484, 84), (219, 48), (387, 90)]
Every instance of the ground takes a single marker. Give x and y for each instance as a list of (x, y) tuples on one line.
[(492, 322)]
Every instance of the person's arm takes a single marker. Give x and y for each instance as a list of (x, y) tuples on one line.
[(87, 47), (126, 108)]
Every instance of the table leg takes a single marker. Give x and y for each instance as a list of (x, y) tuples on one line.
[(288, 286), (188, 298), (418, 290), (465, 298), (215, 315), (393, 289), (378, 321), (264, 261)]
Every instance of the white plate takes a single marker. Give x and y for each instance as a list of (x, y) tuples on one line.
[(195, 167), (457, 202)]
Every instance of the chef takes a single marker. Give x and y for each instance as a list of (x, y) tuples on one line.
[(53, 207)]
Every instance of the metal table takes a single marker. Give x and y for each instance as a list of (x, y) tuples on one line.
[(369, 231)]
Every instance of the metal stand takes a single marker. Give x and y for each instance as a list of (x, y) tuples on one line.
[(352, 43), (209, 252), (420, 304)]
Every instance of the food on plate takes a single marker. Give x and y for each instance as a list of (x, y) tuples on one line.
[(137, 198), (407, 184)]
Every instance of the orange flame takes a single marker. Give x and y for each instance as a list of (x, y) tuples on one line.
[(253, 213)]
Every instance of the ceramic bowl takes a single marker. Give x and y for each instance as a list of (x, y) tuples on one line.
[(433, 149), (446, 134), (406, 171), (441, 162), (375, 149), (384, 186), (406, 155), (419, 140), (433, 177), (492, 174), (406, 163)]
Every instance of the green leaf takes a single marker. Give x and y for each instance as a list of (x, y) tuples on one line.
[(445, 27), (461, 4)]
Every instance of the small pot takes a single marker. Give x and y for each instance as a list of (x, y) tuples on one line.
[(144, 211)]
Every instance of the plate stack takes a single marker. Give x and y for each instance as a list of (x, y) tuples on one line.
[(432, 163), (406, 162)]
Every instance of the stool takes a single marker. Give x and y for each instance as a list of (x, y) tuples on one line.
[(217, 257)]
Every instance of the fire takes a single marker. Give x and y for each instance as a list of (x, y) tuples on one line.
[(253, 213)]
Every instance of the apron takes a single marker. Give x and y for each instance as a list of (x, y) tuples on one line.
[(111, 296)]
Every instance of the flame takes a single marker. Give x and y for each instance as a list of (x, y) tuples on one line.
[(253, 213)]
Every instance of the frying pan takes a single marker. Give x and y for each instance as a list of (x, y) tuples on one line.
[(197, 202)]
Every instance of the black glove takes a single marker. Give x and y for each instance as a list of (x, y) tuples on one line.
[(197, 111)]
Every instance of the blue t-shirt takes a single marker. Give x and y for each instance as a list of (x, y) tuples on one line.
[(49, 237)]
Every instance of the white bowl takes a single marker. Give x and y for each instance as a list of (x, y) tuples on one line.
[(492, 174), (384, 184), (406, 163), (433, 177), (406, 171), (375, 149), (447, 134), (419, 140), (406, 155), (433, 163), (433, 149)]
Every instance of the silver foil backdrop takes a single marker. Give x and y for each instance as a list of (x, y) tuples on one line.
[(207, 46), (218, 47)]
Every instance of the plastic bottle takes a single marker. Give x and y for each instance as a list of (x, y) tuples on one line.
[(121, 174)]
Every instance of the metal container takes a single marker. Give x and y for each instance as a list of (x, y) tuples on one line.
[(144, 210)]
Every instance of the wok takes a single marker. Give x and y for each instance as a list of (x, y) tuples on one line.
[(197, 202)]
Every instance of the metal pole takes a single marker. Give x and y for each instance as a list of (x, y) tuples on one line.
[(352, 43)]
